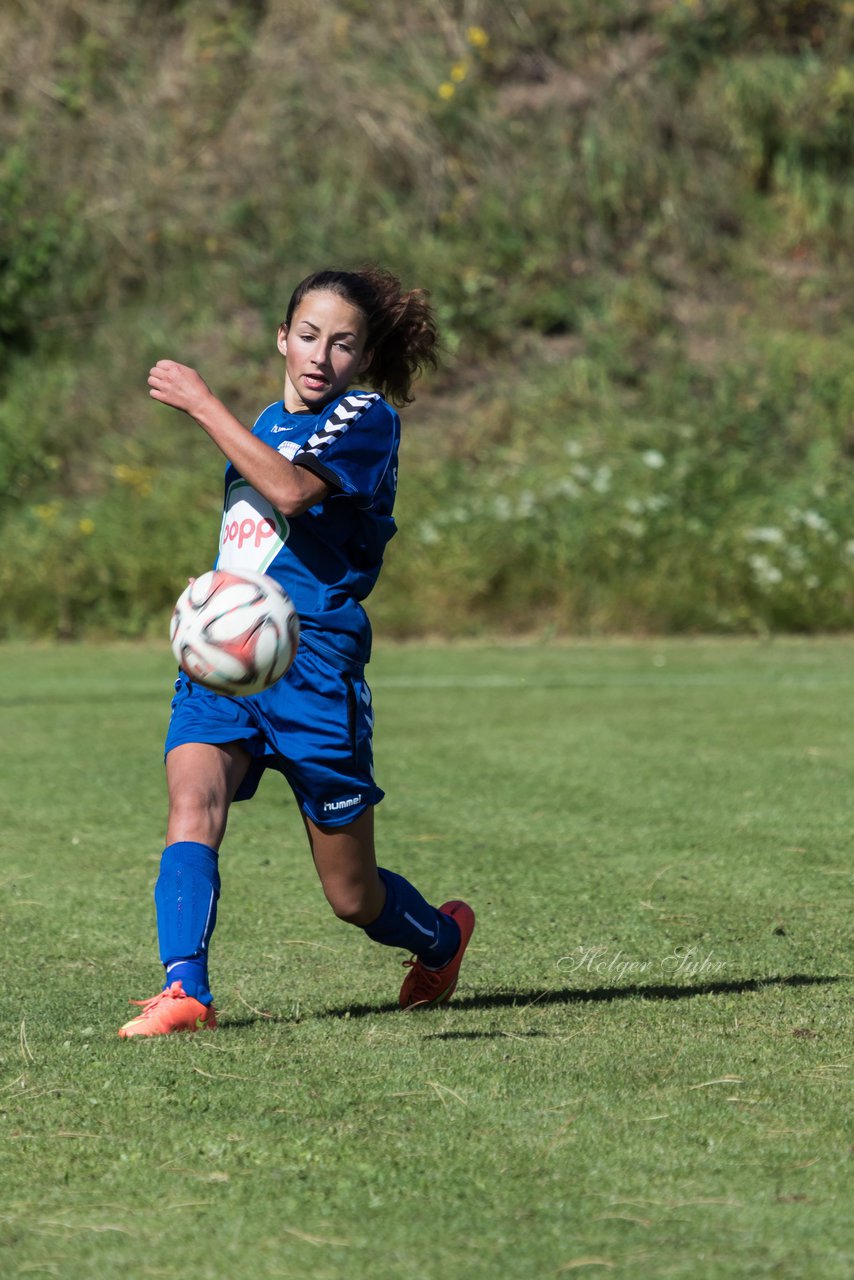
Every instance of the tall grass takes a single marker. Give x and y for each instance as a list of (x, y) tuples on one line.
[(635, 221)]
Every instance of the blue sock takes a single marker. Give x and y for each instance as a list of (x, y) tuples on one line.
[(408, 921), (185, 898)]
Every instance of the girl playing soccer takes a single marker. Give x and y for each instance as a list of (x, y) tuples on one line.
[(311, 489)]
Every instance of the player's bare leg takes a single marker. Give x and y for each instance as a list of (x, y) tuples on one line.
[(202, 781), (391, 910), (346, 862)]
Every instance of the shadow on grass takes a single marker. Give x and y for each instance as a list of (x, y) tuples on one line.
[(579, 995), (487, 1035), (562, 995)]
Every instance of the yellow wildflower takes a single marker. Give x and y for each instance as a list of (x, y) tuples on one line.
[(477, 37), (47, 512), (459, 71), (841, 86), (446, 91), (136, 478), (86, 526)]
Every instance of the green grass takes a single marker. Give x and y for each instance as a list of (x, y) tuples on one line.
[(643, 1074)]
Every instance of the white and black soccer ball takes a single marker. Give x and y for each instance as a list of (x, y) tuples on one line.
[(235, 633)]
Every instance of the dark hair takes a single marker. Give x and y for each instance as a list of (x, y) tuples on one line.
[(402, 332)]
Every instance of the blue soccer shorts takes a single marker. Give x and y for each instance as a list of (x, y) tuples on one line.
[(315, 726)]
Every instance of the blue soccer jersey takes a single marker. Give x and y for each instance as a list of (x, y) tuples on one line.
[(328, 558)]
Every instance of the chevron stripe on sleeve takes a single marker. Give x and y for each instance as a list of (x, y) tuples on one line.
[(345, 413)]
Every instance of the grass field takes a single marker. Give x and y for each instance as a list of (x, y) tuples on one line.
[(646, 1070)]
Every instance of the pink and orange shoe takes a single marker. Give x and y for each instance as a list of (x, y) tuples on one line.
[(424, 988), (171, 1010)]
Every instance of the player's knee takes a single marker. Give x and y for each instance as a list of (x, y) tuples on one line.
[(351, 903), (196, 811)]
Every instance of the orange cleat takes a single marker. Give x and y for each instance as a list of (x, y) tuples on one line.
[(424, 988), (171, 1010)]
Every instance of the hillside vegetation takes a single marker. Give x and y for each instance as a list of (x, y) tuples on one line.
[(635, 218)]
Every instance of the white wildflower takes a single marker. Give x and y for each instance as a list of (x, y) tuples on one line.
[(653, 459), (601, 481), (502, 508), (574, 448), (766, 533), (657, 502), (634, 528), (765, 573), (814, 521)]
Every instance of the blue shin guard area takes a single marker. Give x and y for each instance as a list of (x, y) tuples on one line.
[(407, 920), (185, 899)]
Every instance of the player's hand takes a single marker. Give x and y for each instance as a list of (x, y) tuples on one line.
[(179, 386)]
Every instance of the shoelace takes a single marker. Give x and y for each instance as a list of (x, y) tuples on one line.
[(427, 979), (169, 994)]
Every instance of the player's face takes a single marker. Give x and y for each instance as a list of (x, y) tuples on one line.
[(324, 350)]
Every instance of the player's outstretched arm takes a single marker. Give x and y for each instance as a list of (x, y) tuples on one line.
[(291, 489)]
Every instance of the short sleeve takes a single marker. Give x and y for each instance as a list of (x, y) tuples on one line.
[(354, 446)]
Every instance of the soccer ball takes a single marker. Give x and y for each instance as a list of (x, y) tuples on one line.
[(234, 633)]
